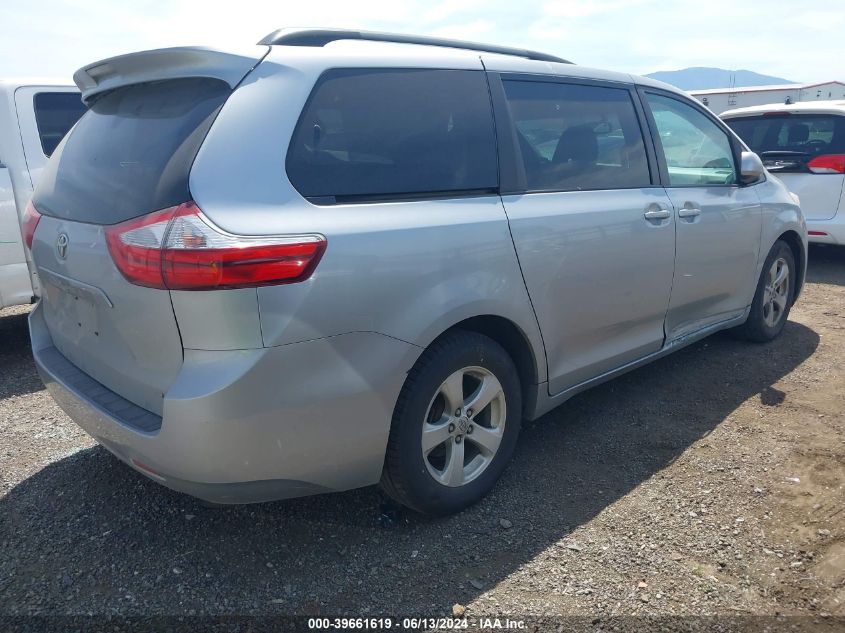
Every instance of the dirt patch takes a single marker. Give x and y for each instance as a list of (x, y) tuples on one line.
[(710, 482)]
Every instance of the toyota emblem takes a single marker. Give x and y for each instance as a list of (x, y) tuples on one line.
[(61, 245)]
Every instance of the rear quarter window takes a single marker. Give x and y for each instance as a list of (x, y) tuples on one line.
[(368, 134), (55, 114)]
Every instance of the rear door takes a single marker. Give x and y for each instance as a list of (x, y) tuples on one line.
[(593, 231), (128, 156), (45, 115), (806, 151), (718, 222)]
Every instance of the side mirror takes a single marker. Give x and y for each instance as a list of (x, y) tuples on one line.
[(751, 168)]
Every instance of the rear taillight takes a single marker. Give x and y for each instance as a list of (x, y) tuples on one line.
[(31, 217), (828, 164), (179, 249)]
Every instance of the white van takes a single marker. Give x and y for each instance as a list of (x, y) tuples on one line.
[(34, 117), (803, 144)]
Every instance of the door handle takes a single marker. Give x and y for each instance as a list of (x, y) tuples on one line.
[(656, 214), (689, 212)]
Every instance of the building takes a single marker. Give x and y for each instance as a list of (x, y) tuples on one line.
[(721, 99)]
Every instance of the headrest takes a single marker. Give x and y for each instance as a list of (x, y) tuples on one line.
[(799, 133), (577, 144)]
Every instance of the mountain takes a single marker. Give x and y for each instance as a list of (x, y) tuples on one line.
[(701, 78)]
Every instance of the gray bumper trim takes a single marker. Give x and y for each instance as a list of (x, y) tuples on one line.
[(123, 411)]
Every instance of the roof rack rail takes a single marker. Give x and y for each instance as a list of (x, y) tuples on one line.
[(321, 37)]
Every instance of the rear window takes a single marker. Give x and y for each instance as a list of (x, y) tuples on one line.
[(131, 153), (809, 134), (394, 133), (55, 114)]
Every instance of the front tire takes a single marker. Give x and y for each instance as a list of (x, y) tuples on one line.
[(455, 425), (773, 298)]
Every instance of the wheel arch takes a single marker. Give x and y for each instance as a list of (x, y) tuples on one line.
[(518, 346)]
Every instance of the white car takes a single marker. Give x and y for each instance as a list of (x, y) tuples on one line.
[(804, 145), (34, 117)]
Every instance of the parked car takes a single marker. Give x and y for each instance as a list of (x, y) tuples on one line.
[(804, 145), (34, 116), (343, 258)]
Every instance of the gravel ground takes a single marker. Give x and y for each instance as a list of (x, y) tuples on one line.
[(710, 482)]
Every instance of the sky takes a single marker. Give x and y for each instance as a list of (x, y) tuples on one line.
[(785, 38)]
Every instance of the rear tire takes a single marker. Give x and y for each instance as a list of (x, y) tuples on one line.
[(773, 298), (443, 455)]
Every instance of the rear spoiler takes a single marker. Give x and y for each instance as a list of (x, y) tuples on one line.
[(166, 63)]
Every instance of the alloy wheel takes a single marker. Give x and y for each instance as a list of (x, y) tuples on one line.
[(464, 426), (776, 292)]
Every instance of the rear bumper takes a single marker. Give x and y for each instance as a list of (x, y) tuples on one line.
[(249, 425), (833, 229)]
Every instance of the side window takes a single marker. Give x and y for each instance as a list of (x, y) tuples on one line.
[(576, 137), (392, 133), (55, 114), (697, 151)]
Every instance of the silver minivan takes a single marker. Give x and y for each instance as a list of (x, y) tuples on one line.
[(342, 258)]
